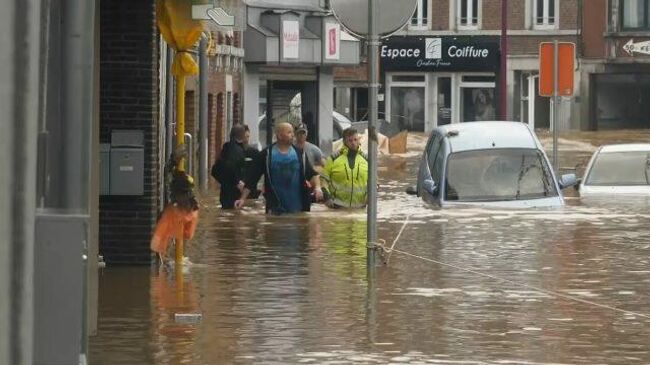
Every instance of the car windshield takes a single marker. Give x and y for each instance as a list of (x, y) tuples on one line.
[(498, 174), (620, 169)]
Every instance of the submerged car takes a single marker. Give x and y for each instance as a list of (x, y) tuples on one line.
[(500, 164), (620, 169)]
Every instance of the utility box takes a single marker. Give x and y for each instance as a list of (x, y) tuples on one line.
[(104, 168), (127, 162), (59, 274)]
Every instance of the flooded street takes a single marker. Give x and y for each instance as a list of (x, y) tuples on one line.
[(462, 286)]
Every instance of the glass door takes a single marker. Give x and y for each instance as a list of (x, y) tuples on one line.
[(444, 100)]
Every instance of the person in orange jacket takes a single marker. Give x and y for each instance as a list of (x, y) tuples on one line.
[(179, 218)]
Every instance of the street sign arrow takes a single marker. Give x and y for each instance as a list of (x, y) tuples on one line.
[(642, 47), (221, 17)]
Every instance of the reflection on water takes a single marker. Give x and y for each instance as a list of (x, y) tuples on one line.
[(293, 289)]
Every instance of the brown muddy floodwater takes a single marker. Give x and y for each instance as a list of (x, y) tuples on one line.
[(465, 286)]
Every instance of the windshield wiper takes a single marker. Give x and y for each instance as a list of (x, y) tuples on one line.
[(523, 171), (521, 176)]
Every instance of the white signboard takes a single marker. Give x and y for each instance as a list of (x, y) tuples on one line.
[(640, 47), (290, 39), (332, 41)]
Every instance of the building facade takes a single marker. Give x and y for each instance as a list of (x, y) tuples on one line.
[(225, 62), (615, 65), (444, 66), (291, 49)]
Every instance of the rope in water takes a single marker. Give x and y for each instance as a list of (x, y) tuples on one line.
[(392, 249)]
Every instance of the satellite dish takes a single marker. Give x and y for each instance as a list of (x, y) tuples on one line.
[(392, 15)]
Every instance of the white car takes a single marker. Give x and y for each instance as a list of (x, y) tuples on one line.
[(496, 164), (619, 169)]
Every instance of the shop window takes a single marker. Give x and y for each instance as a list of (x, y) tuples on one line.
[(545, 14), (477, 98), (635, 14), (420, 20), (478, 104), (407, 107), (468, 14)]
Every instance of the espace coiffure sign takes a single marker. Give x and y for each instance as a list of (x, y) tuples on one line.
[(439, 53)]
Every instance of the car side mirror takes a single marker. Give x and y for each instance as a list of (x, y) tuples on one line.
[(411, 190), (577, 185), (430, 186), (568, 180)]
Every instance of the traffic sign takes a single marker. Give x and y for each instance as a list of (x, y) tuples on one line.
[(565, 68), (641, 47), (392, 15)]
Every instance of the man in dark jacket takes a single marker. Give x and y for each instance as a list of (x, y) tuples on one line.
[(230, 167), (288, 176)]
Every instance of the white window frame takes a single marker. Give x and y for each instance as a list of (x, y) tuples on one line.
[(528, 100), (422, 20), (423, 84), (472, 11), (545, 24), (452, 97), (471, 84)]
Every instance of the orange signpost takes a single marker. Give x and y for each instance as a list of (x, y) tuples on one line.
[(556, 65), (565, 68)]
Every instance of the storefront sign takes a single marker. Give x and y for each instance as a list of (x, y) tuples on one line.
[(332, 41), (290, 39), (440, 54)]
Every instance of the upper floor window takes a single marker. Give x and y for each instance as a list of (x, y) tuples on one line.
[(468, 14), (420, 19), (635, 14), (544, 14)]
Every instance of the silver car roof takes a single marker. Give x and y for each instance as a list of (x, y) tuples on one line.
[(626, 147), (484, 135)]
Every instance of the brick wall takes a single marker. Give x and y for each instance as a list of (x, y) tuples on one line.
[(492, 14), (129, 100), (593, 41), (569, 13), (440, 14), (529, 45)]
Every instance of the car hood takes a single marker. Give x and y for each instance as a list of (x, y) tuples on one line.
[(510, 204), (594, 190)]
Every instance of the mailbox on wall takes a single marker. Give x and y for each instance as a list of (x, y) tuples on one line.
[(127, 162)]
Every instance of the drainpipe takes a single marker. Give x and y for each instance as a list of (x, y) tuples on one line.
[(203, 114)]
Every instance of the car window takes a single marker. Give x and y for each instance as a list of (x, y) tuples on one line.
[(433, 151), (498, 174), (438, 163), (620, 169)]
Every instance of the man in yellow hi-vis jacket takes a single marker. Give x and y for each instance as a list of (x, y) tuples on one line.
[(347, 173)]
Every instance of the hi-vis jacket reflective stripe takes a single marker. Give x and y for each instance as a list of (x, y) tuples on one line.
[(348, 187)]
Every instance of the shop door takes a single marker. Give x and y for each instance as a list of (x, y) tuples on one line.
[(444, 100)]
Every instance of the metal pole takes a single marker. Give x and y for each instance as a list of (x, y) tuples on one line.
[(169, 141), (203, 114), (180, 141), (20, 27), (503, 77), (556, 106), (373, 86), (269, 113)]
